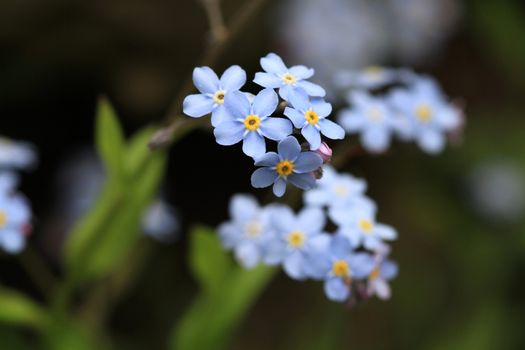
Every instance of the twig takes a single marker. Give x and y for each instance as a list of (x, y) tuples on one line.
[(215, 19)]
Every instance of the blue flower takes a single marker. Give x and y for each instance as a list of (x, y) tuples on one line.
[(161, 222), (310, 117), (16, 155), (372, 77), (279, 76), (338, 266), (384, 271), (250, 122), (372, 118), (15, 216), (361, 228), (213, 92), (428, 115), (248, 232), (289, 165), (296, 237)]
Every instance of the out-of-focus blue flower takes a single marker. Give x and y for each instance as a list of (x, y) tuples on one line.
[(338, 266), (296, 237), (430, 116), (213, 92), (278, 76), (289, 165), (339, 192), (16, 155), (372, 77), (250, 122), (249, 230), (8, 181), (372, 118), (378, 279), (310, 117), (15, 216), (361, 228), (161, 222)]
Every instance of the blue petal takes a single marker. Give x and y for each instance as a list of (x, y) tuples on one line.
[(340, 247), (205, 80), (279, 187), (243, 207), (293, 265), (265, 103), (247, 254), (276, 128), (331, 129), (267, 80), (254, 145), (273, 64), (197, 105), (336, 290), (233, 78), (269, 159), (229, 133), (375, 139), (220, 115), (285, 91), (302, 72), (12, 241), (431, 141), (388, 270), (322, 108), (307, 162), (299, 99), (311, 134), (303, 181), (361, 265), (237, 104), (385, 232), (311, 220), (311, 88), (284, 219), (351, 122), (263, 177), (229, 234), (289, 148), (295, 116)]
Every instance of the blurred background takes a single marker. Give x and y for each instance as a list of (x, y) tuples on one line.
[(460, 215)]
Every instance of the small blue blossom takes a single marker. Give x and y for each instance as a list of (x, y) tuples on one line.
[(248, 232), (288, 165), (16, 155), (278, 76), (372, 118), (428, 115), (161, 222), (213, 92), (338, 266), (378, 279), (15, 216), (296, 237), (361, 228), (310, 117), (250, 122), (372, 77)]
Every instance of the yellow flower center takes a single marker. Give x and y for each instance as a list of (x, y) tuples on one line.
[(3, 218), (366, 225), (218, 97), (289, 79), (284, 168), (374, 274), (375, 114), (373, 70), (252, 122), (311, 117), (296, 239), (341, 191), (424, 113), (340, 268), (253, 229)]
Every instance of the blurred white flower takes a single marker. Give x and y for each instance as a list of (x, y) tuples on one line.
[(161, 222)]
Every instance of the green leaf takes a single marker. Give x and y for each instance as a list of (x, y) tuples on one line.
[(66, 334), (138, 152), (213, 317), (17, 309), (109, 140)]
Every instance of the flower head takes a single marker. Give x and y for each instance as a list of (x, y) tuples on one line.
[(15, 216), (278, 76), (310, 117), (384, 271), (213, 92), (16, 155), (371, 77), (288, 165), (251, 123)]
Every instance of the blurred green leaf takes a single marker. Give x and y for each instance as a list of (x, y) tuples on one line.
[(10, 338), (213, 317), (17, 309), (138, 151), (67, 334)]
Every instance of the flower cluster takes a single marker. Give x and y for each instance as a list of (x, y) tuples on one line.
[(239, 116), (413, 108), (15, 212), (352, 261)]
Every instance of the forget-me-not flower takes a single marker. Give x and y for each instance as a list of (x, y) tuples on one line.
[(213, 92), (278, 76), (310, 117), (251, 123), (371, 77), (161, 222), (16, 155), (15, 216), (248, 231), (378, 279), (430, 116), (289, 165)]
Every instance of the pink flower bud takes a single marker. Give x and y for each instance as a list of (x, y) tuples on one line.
[(325, 152)]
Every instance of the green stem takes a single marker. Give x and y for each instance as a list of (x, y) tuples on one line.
[(37, 270)]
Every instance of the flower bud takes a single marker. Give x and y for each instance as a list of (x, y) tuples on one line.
[(325, 152)]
